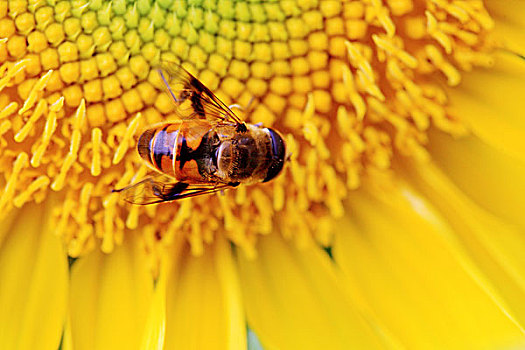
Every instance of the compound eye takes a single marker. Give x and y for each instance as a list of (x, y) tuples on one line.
[(278, 155)]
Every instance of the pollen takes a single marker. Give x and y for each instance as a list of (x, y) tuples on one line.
[(350, 84)]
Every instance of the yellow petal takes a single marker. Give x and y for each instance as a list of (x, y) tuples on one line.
[(493, 179), (33, 282), (496, 247), (294, 301), (510, 23), (416, 277), (110, 298), (204, 306), (67, 338), (154, 333), (7, 223), (491, 102)]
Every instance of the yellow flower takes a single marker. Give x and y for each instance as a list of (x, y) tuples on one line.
[(397, 223)]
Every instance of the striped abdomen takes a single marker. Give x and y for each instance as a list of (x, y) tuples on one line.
[(157, 147), (177, 150)]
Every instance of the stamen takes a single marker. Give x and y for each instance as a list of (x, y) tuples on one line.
[(383, 16), (12, 71), (240, 195), (110, 232), (33, 94), (480, 15), (278, 197), (409, 60), (264, 207), (71, 157), (440, 62), (355, 98), (96, 139), (436, 33), (126, 140), (8, 110), (80, 115), (49, 129), (39, 183), (9, 189), (133, 218), (4, 127), (229, 220), (359, 61), (57, 105), (28, 126), (64, 214), (351, 84), (195, 238), (183, 214), (310, 129)]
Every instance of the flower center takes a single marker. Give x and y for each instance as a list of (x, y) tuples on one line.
[(350, 83)]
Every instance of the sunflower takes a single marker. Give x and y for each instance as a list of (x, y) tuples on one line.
[(398, 222)]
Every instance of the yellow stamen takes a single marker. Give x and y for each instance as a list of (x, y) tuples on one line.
[(10, 187), (12, 71), (8, 110), (49, 129), (195, 238), (80, 115), (356, 99), (109, 235), (125, 142), (436, 33), (409, 60), (4, 127), (96, 138), (65, 212), (33, 95), (278, 197), (441, 63), (85, 196), (37, 113), (349, 83), (71, 157), (180, 218), (39, 183)]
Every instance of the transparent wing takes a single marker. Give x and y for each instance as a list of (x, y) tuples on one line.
[(155, 190), (192, 98)]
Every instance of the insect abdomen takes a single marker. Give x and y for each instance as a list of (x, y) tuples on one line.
[(192, 152), (144, 145), (156, 146)]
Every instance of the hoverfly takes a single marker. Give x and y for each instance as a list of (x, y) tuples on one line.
[(210, 149)]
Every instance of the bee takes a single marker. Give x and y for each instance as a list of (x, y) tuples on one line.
[(209, 149)]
